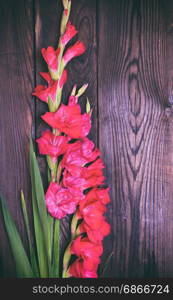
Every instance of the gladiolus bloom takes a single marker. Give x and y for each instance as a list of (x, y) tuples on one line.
[(90, 252), (44, 93), (77, 269), (76, 50), (59, 201), (50, 144), (69, 33), (68, 119), (82, 182), (50, 55), (92, 208), (78, 155), (97, 234), (98, 194), (74, 183), (95, 201)]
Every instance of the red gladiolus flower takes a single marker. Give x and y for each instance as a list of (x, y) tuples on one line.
[(92, 213), (92, 207), (43, 92), (77, 49), (96, 197), (50, 55), (93, 179), (78, 270), (72, 100), (86, 182), (50, 144), (92, 176), (90, 252), (101, 194), (47, 77), (75, 184), (78, 154), (69, 33), (95, 235), (89, 207), (98, 194), (59, 201), (68, 119)]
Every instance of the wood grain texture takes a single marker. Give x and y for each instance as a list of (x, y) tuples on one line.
[(80, 70), (135, 117), (16, 67), (128, 65)]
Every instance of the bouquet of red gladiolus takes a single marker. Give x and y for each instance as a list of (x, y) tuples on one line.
[(75, 178)]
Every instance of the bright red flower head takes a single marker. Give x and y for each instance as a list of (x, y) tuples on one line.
[(78, 154), (59, 201), (77, 269), (49, 92), (76, 50), (95, 233), (82, 182), (68, 119), (90, 252), (102, 194), (50, 55), (92, 213), (69, 33), (50, 144), (96, 196), (92, 207), (75, 184)]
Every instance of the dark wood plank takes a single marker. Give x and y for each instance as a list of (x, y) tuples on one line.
[(80, 70), (134, 80), (16, 84)]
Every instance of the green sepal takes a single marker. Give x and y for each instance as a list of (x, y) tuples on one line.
[(88, 106)]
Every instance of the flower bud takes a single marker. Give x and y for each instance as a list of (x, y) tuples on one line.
[(82, 90)]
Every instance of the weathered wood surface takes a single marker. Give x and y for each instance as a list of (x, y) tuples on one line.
[(129, 68), (135, 117), (16, 84)]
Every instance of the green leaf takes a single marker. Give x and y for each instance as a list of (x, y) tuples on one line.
[(31, 250), (48, 175), (41, 222), (23, 266)]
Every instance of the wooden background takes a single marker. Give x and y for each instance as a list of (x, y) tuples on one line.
[(129, 68)]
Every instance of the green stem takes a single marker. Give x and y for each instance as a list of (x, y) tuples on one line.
[(59, 172), (53, 168), (66, 260), (67, 254), (56, 248)]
